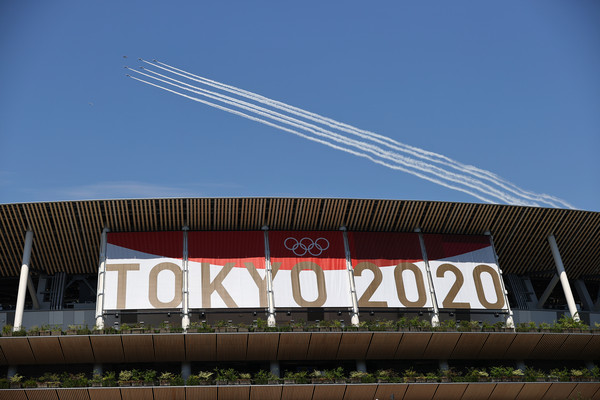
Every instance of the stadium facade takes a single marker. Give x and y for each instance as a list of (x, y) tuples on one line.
[(295, 284)]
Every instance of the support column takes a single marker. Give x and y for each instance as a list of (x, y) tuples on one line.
[(97, 369), (564, 280), (584, 295), (275, 369), (509, 321), (354, 319), (361, 365), (435, 318), (521, 365), (271, 322), (548, 291), (531, 296), (32, 293), (23, 281), (590, 365), (12, 371), (186, 370), (443, 365), (101, 276), (185, 298)]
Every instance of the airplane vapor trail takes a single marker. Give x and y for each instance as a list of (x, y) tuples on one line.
[(332, 145), (384, 140), (376, 151), (473, 178)]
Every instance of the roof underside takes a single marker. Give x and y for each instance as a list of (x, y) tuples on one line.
[(67, 234)]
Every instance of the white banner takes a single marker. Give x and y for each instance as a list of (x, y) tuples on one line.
[(464, 271), (389, 270), (227, 286), (227, 270), (138, 275), (309, 269)]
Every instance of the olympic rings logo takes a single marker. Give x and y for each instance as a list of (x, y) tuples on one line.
[(306, 245)]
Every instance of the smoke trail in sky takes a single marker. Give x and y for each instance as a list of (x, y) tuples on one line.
[(414, 151), (476, 180), (241, 114), (374, 150)]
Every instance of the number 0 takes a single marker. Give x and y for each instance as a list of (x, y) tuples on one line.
[(477, 271)]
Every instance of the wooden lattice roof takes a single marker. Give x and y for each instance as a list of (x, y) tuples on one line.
[(67, 234)]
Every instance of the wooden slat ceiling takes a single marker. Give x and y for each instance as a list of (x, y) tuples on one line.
[(67, 234)]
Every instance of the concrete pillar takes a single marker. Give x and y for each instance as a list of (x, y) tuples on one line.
[(521, 365), (275, 368), (564, 280), (23, 281), (186, 370), (443, 365), (12, 371), (361, 365), (98, 369)]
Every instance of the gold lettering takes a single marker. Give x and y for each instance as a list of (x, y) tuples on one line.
[(261, 283), (477, 271), (275, 269), (401, 290), (153, 285), (216, 285), (449, 300), (297, 290), (365, 299), (122, 270)]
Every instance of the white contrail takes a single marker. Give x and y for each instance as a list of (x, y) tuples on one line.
[(461, 179), (350, 151), (341, 139), (414, 151)]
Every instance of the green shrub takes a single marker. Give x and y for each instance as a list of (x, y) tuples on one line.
[(30, 383), (263, 377), (177, 381), (109, 379), (193, 380)]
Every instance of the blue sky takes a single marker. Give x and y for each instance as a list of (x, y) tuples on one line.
[(510, 87)]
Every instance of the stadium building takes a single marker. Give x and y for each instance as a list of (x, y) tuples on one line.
[(313, 298)]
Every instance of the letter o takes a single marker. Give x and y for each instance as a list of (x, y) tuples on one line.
[(297, 290), (153, 285)]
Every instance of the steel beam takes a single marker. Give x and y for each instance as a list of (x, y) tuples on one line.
[(269, 277), (185, 296), (435, 318), (354, 319), (548, 291)]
